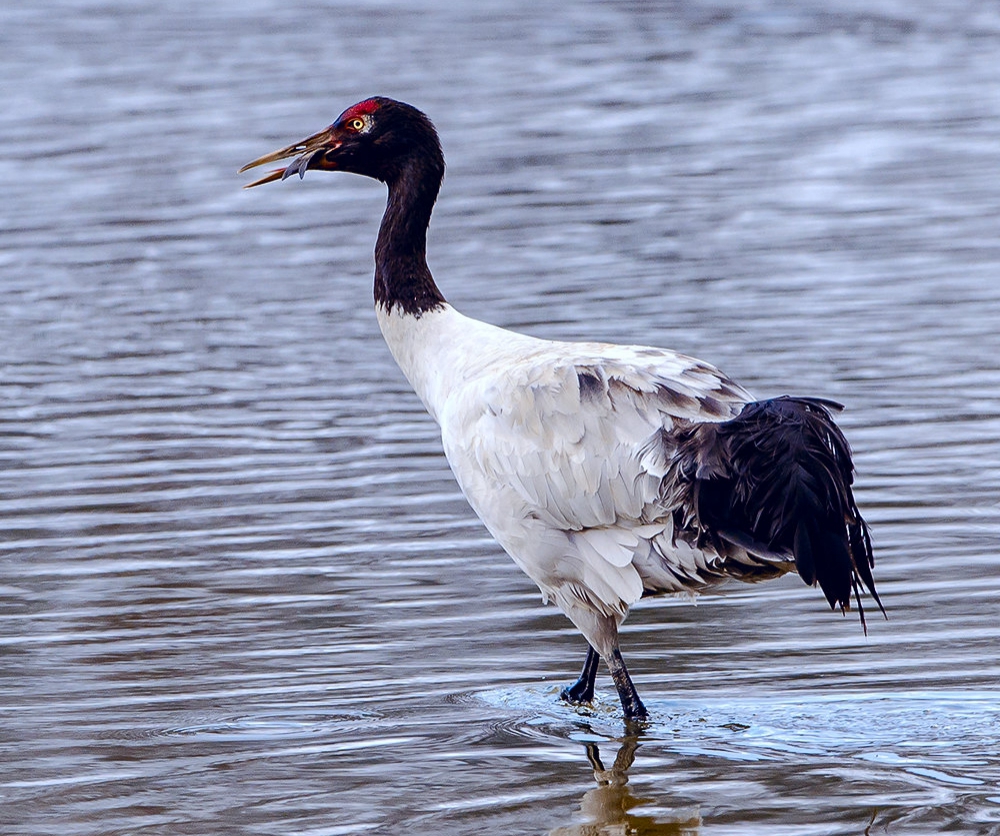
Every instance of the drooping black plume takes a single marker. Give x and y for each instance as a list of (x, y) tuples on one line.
[(776, 481)]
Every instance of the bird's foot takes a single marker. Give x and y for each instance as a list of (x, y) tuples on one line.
[(579, 693), (635, 711)]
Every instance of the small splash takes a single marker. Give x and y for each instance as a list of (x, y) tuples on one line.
[(944, 737)]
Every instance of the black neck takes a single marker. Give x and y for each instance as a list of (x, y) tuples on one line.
[(402, 278)]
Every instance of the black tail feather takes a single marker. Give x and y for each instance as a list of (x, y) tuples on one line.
[(780, 474)]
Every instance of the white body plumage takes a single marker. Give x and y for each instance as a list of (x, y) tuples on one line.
[(558, 448)]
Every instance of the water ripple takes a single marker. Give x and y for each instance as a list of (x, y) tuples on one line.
[(241, 592)]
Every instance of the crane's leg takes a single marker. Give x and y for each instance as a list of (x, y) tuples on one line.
[(631, 704), (582, 691)]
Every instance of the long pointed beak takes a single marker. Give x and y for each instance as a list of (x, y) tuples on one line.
[(303, 151)]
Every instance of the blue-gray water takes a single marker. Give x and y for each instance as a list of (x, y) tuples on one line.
[(241, 594)]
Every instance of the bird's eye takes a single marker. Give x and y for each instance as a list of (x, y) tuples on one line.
[(356, 124)]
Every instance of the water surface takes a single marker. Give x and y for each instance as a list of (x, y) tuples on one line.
[(241, 593)]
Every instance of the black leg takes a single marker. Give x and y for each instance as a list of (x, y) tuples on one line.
[(582, 691), (631, 704)]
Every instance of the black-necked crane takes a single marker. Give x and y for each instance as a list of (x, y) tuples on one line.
[(607, 472)]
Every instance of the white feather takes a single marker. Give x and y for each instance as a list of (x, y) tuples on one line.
[(559, 449)]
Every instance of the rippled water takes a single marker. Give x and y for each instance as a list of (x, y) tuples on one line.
[(240, 592)]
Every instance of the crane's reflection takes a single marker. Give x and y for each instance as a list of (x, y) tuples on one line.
[(606, 810)]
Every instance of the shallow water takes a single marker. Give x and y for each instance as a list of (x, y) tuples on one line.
[(240, 592)]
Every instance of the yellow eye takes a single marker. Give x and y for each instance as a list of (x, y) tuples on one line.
[(356, 124)]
